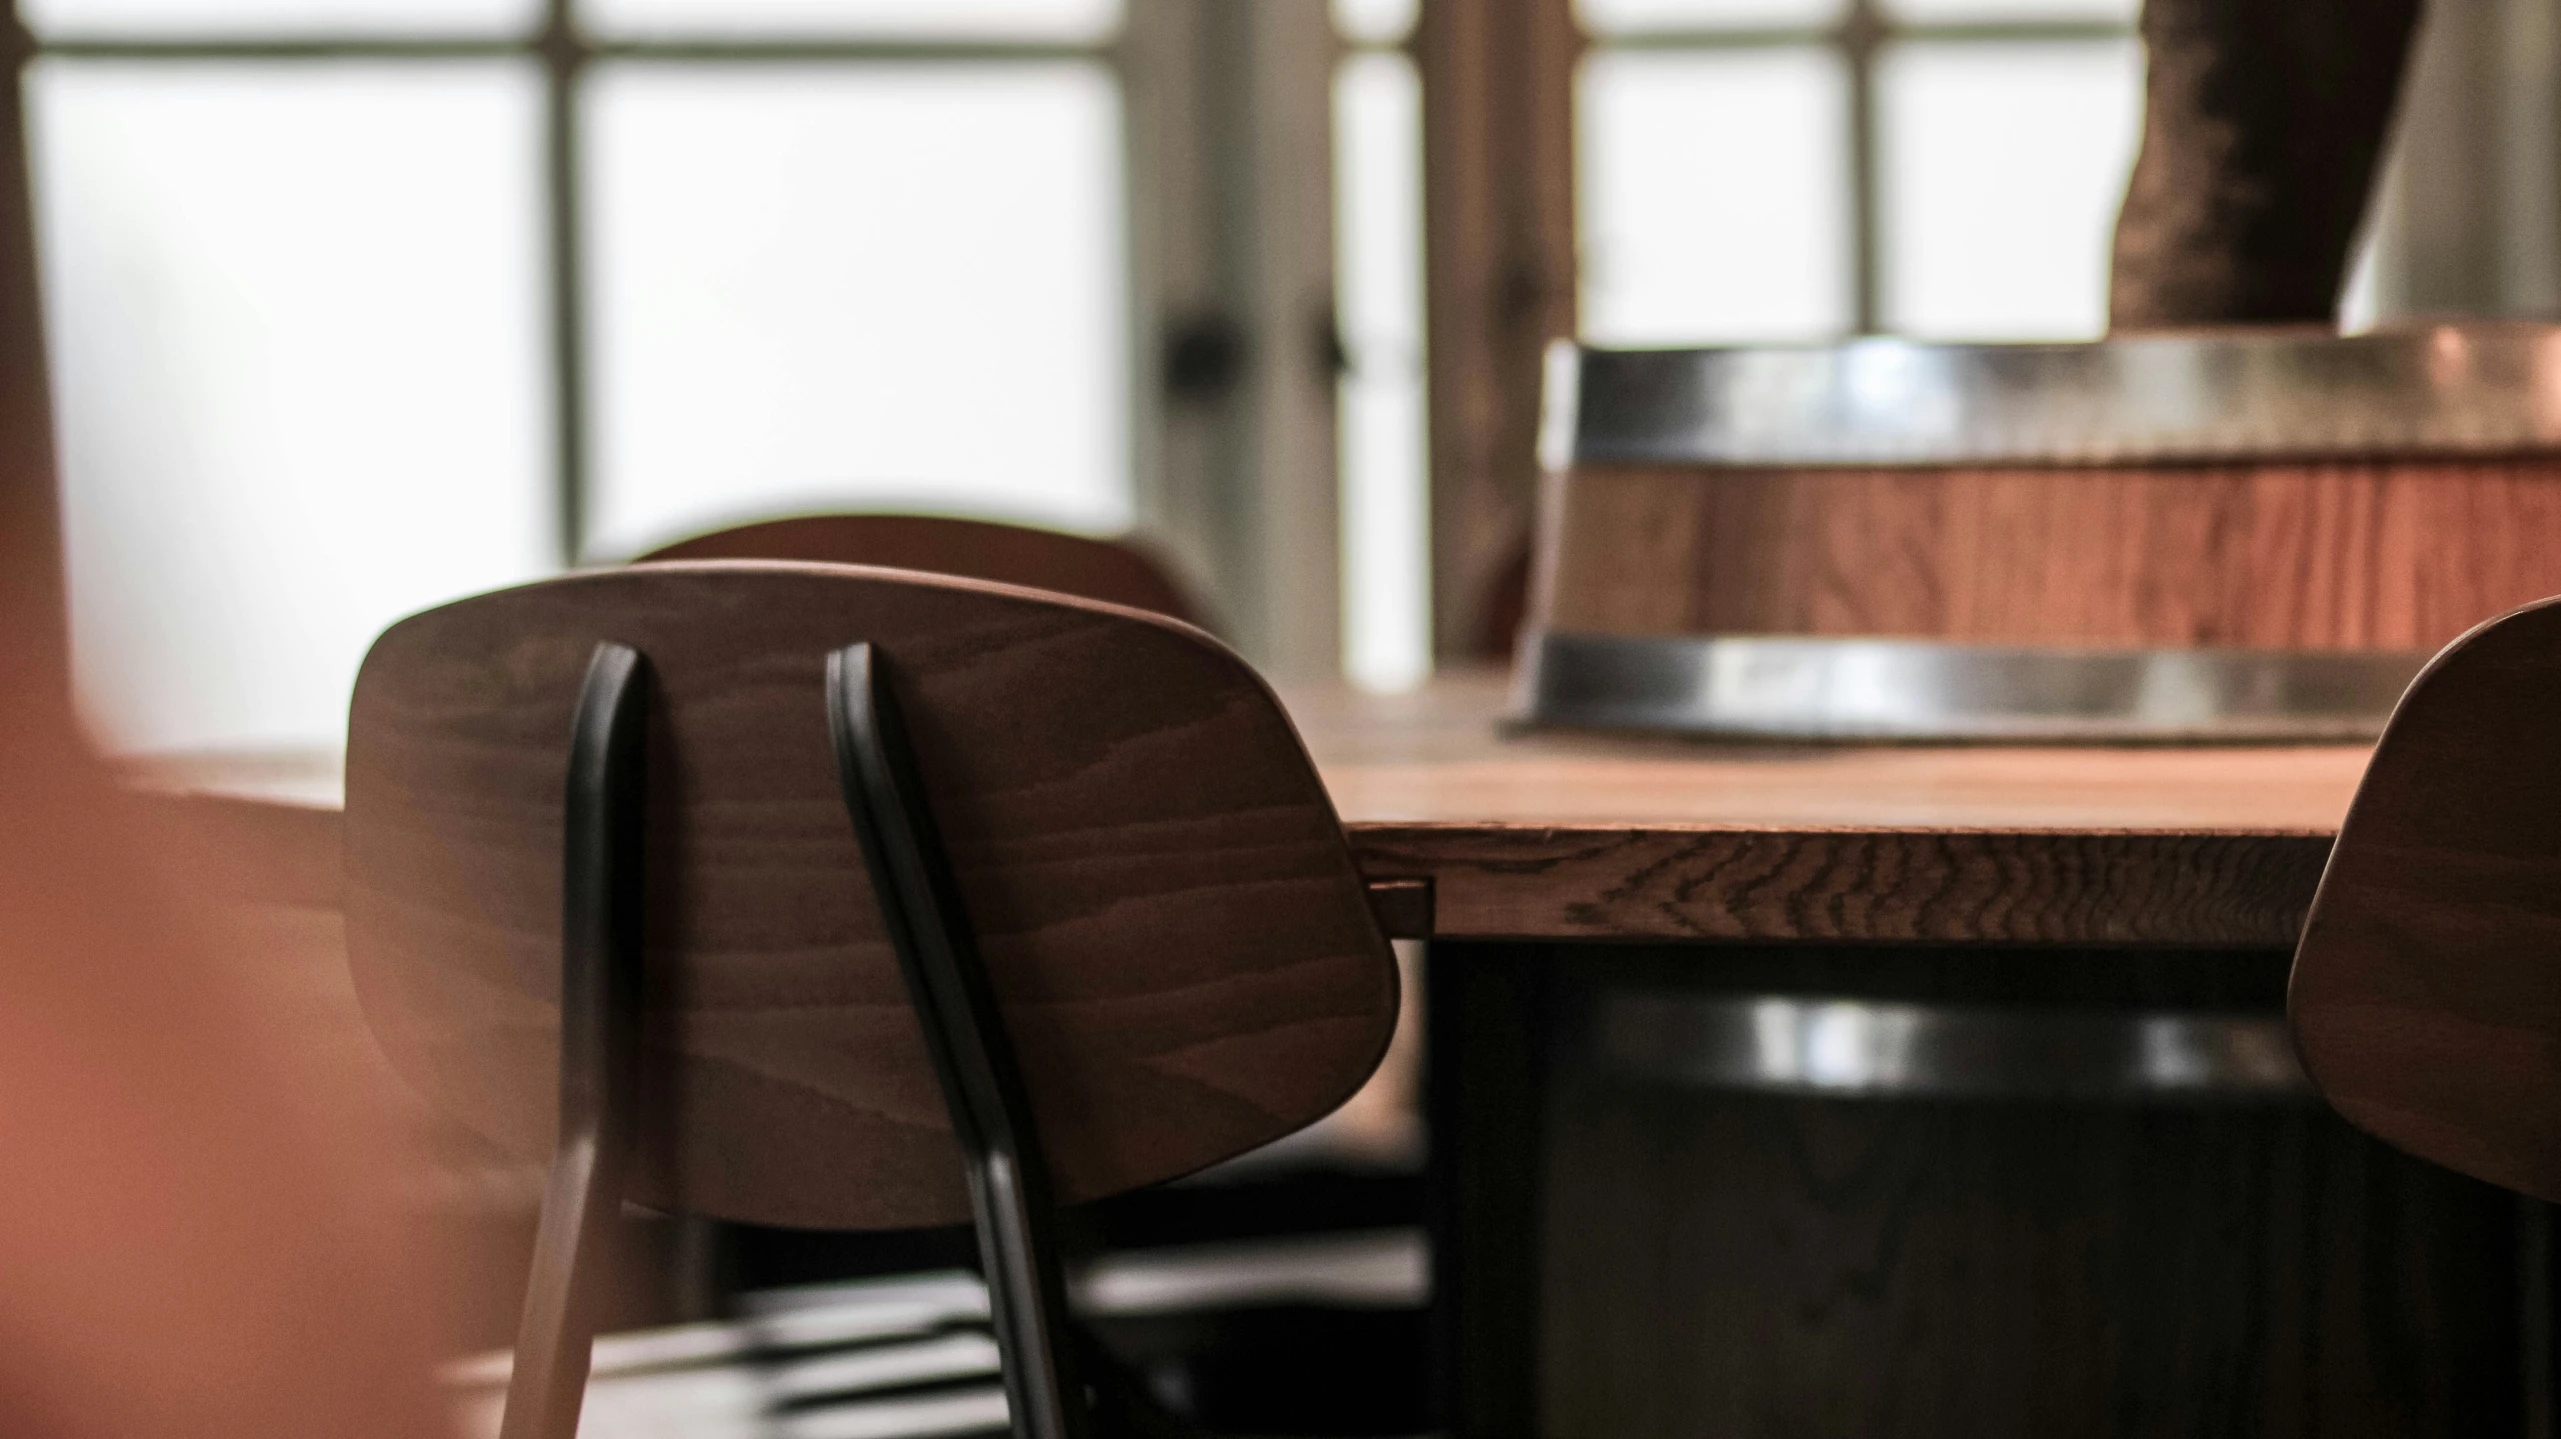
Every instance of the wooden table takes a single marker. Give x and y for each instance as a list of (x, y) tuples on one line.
[(1577, 837), (1629, 1259), (1560, 837)]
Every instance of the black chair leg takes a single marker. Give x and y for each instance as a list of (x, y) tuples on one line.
[(965, 1033), (600, 997)]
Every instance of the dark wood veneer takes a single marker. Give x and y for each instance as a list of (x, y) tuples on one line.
[(1161, 889)]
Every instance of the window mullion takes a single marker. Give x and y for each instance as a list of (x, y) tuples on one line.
[(1861, 35), (565, 56)]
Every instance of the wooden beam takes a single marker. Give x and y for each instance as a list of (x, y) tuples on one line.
[(1498, 222), (1232, 232), (30, 525), (2263, 124)]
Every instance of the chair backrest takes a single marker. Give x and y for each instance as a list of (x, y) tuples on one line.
[(1167, 909), (2426, 995), (1113, 571)]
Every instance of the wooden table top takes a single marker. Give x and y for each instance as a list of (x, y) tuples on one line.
[(1579, 837)]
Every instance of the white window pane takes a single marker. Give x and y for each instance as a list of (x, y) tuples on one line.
[(1378, 277), (137, 18), (1376, 22), (1643, 17), (2004, 167), (295, 324), (1035, 20), (1977, 12), (1715, 201), (865, 286)]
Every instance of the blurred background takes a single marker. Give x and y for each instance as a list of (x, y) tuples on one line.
[(352, 307), (358, 305)]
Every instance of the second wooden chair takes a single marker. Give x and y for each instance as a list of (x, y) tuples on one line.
[(1113, 571)]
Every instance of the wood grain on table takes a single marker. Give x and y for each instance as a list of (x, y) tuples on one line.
[(1565, 836)]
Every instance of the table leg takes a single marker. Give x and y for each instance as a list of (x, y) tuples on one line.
[(1486, 1079)]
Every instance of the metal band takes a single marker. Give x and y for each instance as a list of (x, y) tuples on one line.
[(1859, 1048), (1772, 687), (2460, 389)]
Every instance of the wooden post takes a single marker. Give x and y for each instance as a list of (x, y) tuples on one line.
[(2264, 121), (1233, 238), (1498, 222), (30, 530)]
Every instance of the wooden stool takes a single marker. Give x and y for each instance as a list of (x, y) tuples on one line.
[(1113, 571), (2426, 995), (1111, 932)]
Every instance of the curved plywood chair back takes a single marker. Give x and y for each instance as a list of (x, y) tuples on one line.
[(2426, 995), (1113, 571), (1163, 896)]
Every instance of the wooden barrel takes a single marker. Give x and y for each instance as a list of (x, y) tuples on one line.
[(2245, 535)]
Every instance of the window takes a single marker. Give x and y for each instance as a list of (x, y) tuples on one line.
[(1770, 170), (819, 284), (359, 305), (298, 367)]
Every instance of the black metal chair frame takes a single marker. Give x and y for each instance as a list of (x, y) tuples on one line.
[(600, 1001)]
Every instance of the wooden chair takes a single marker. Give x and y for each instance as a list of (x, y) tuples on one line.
[(840, 898), (2426, 995), (1114, 571)]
